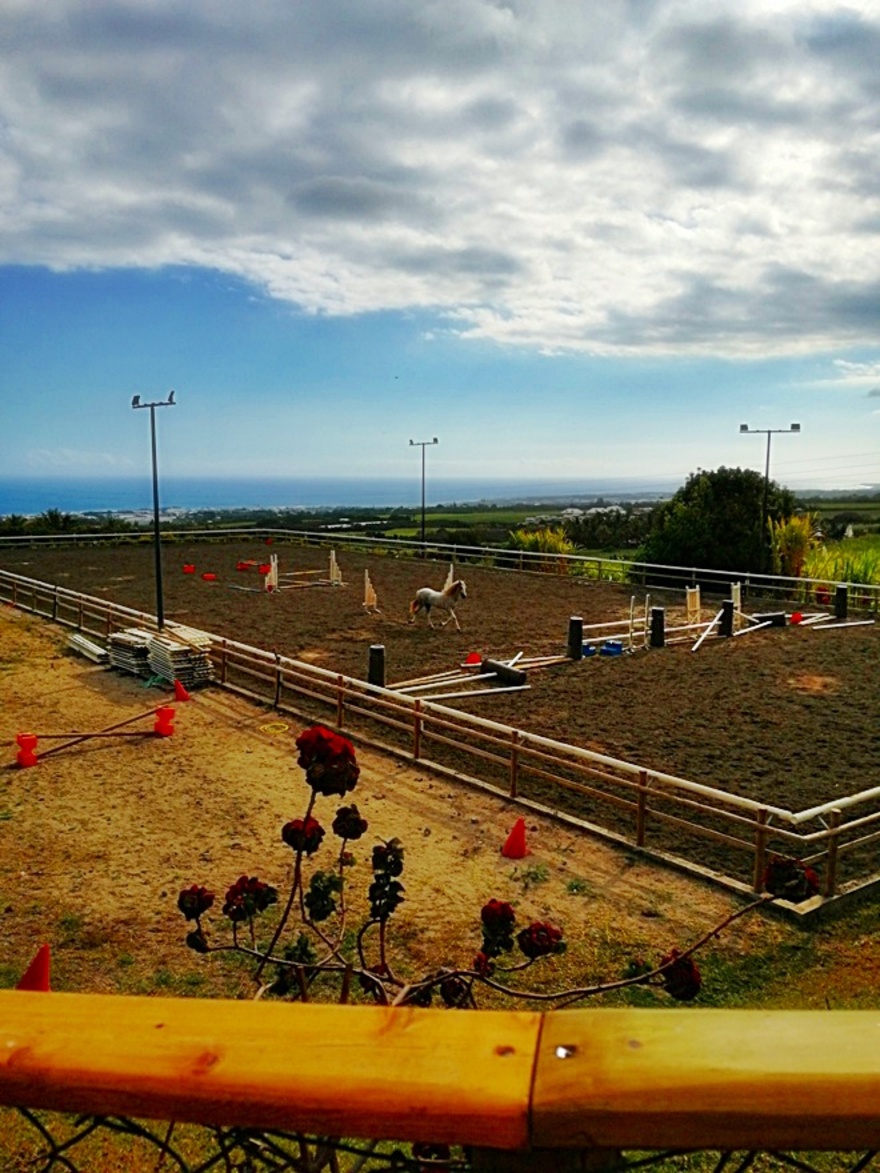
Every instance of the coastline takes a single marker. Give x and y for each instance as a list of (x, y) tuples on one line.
[(132, 497)]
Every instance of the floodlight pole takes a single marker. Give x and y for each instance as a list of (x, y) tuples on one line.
[(768, 432), (157, 541), (423, 444)]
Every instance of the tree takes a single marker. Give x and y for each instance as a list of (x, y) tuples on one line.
[(715, 521)]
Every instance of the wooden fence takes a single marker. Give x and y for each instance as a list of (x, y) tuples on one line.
[(862, 597), (512, 1082), (692, 826)]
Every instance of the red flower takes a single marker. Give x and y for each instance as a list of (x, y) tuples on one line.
[(681, 978), (194, 901), (247, 897), (303, 835), (540, 939), (483, 964), (328, 760), (348, 823), (497, 914), (498, 920)]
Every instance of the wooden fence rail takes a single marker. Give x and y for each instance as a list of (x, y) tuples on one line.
[(502, 1080), (681, 821)]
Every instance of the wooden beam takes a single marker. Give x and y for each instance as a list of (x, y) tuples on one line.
[(744, 1079), (379, 1072), (583, 1079)]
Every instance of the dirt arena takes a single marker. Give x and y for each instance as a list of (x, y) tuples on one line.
[(787, 716)]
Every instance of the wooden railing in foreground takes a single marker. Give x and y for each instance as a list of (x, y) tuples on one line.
[(505, 1080), (691, 824)]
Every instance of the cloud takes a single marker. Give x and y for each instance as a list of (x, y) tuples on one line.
[(640, 177)]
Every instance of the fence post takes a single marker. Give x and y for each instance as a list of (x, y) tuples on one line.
[(726, 626), (376, 665), (79, 613), (277, 700), (833, 844), (760, 849), (841, 601), (340, 701), (514, 761), (417, 730), (641, 808), (658, 627), (55, 605), (576, 638)]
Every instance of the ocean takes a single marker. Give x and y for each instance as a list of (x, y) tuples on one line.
[(135, 494)]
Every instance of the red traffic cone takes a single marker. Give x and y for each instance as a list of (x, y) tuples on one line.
[(473, 658), (36, 976), (180, 693), (515, 847)]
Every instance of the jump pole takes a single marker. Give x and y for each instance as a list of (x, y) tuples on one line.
[(110, 729), (849, 623), (440, 696), (437, 683), (756, 627), (709, 629), (430, 678)]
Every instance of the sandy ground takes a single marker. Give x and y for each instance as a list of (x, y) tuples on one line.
[(97, 840)]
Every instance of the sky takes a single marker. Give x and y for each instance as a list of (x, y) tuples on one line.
[(568, 239)]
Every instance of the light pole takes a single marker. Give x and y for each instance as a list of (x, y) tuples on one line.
[(157, 544), (768, 432), (423, 444)]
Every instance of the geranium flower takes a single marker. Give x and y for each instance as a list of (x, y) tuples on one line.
[(497, 914), (195, 901), (247, 897), (681, 977), (483, 964), (303, 835), (348, 823), (498, 920), (328, 760), (540, 939)]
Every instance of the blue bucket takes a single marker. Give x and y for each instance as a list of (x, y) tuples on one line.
[(611, 647)]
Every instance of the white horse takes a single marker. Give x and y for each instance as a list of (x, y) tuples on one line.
[(427, 597)]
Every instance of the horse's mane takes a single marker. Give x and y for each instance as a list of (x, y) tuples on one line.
[(454, 588)]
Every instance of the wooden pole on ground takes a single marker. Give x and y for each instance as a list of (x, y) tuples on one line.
[(110, 729)]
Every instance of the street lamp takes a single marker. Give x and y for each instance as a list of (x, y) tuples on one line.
[(768, 432), (423, 444), (157, 544)]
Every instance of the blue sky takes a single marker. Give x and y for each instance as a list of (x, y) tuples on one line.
[(569, 240)]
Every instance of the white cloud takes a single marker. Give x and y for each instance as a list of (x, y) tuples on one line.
[(645, 176)]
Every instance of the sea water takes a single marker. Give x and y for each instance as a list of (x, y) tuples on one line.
[(134, 494)]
